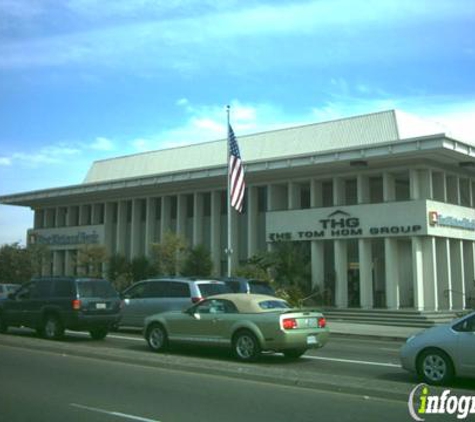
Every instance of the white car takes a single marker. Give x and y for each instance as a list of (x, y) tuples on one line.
[(441, 353)]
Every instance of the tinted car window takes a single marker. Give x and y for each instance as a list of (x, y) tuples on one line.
[(274, 304), (210, 289), (95, 288), (234, 286), (42, 289), (158, 289), (176, 289), (63, 288), (136, 292)]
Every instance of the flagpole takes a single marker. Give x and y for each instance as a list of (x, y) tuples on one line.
[(229, 250)]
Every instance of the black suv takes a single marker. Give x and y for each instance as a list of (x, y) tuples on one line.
[(51, 305)]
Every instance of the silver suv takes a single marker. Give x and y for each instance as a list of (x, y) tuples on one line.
[(148, 297)]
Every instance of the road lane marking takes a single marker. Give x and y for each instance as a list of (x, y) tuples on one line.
[(109, 412), (361, 362)]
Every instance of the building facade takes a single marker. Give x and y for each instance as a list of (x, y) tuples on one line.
[(385, 204)]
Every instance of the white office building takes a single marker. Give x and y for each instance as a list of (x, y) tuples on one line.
[(384, 202)]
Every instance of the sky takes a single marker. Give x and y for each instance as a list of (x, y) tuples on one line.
[(84, 80)]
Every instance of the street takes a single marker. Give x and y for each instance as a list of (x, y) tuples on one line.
[(120, 379)]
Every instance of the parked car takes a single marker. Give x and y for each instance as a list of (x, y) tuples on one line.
[(440, 353), (53, 304), (7, 288), (148, 297), (246, 323), (246, 285)]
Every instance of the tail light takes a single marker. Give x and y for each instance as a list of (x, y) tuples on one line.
[(196, 299), (76, 304), (289, 323), (322, 322)]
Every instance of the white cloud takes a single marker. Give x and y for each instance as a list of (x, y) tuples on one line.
[(5, 161), (102, 144)]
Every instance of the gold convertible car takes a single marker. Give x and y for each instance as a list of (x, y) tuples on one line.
[(248, 323)]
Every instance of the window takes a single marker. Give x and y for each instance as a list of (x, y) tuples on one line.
[(177, 289), (467, 325), (42, 289), (95, 288), (209, 289), (136, 292), (274, 304), (63, 288), (216, 306)]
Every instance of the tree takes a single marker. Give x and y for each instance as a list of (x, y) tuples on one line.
[(169, 254), (40, 257), (141, 268), (15, 265), (198, 262), (91, 258)]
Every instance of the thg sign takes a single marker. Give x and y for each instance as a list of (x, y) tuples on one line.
[(315, 225)]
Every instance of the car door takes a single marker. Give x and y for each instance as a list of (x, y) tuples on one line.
[(466, 346), (133, 312), (19, 308), (200, 325)]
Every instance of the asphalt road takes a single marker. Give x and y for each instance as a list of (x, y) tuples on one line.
[(44, 386)]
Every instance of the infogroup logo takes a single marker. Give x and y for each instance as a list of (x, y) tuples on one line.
[(422, 403)]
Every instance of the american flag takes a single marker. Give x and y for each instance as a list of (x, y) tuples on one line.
[(235, 172)]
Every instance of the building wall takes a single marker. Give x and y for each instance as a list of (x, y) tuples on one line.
[(430, 268)]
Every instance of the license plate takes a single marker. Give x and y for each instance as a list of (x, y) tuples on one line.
[(312, 340), (101, 306)]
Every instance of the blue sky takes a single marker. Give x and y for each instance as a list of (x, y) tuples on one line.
[(82, 80)]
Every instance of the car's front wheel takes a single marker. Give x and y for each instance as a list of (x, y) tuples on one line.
[(294, 353), (246, 347), (98, 333), (435, 367), (52, 328), (157, 338)]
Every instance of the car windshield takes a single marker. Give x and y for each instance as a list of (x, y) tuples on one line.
[(261, 288), (274, 304), (95, 288), (210, 289)]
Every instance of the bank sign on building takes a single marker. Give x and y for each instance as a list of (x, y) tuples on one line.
[(384, 203)]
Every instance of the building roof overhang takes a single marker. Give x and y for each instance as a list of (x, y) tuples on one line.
[(437, 149)]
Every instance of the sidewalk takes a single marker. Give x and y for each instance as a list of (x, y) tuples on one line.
[(375, 331)]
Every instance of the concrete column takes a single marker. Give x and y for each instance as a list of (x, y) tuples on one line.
[(165, 218), (57, 263), (252, 220), (469, 262), (366, 273), (135, 238), (316, 193), (293, 196), (418, 273), (389, 187), (458, 275), (338, 191), (69, 262), (341, 273), (150, 224), (430, 273), (391, 258), (425, 184), (362, 183), (414, 184), (121, 236), (216, 248), (181, 216), (439, 186), (444, 276), (276, 200), (109, 227), (198, 215)]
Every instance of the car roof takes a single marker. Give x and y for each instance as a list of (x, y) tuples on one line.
[(247, 302)]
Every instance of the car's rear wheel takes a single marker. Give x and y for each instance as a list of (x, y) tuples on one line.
[(246, 347), (98, 333), (52, 328), (435, 367), (3, 324), (157, 338), (294, 353)]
